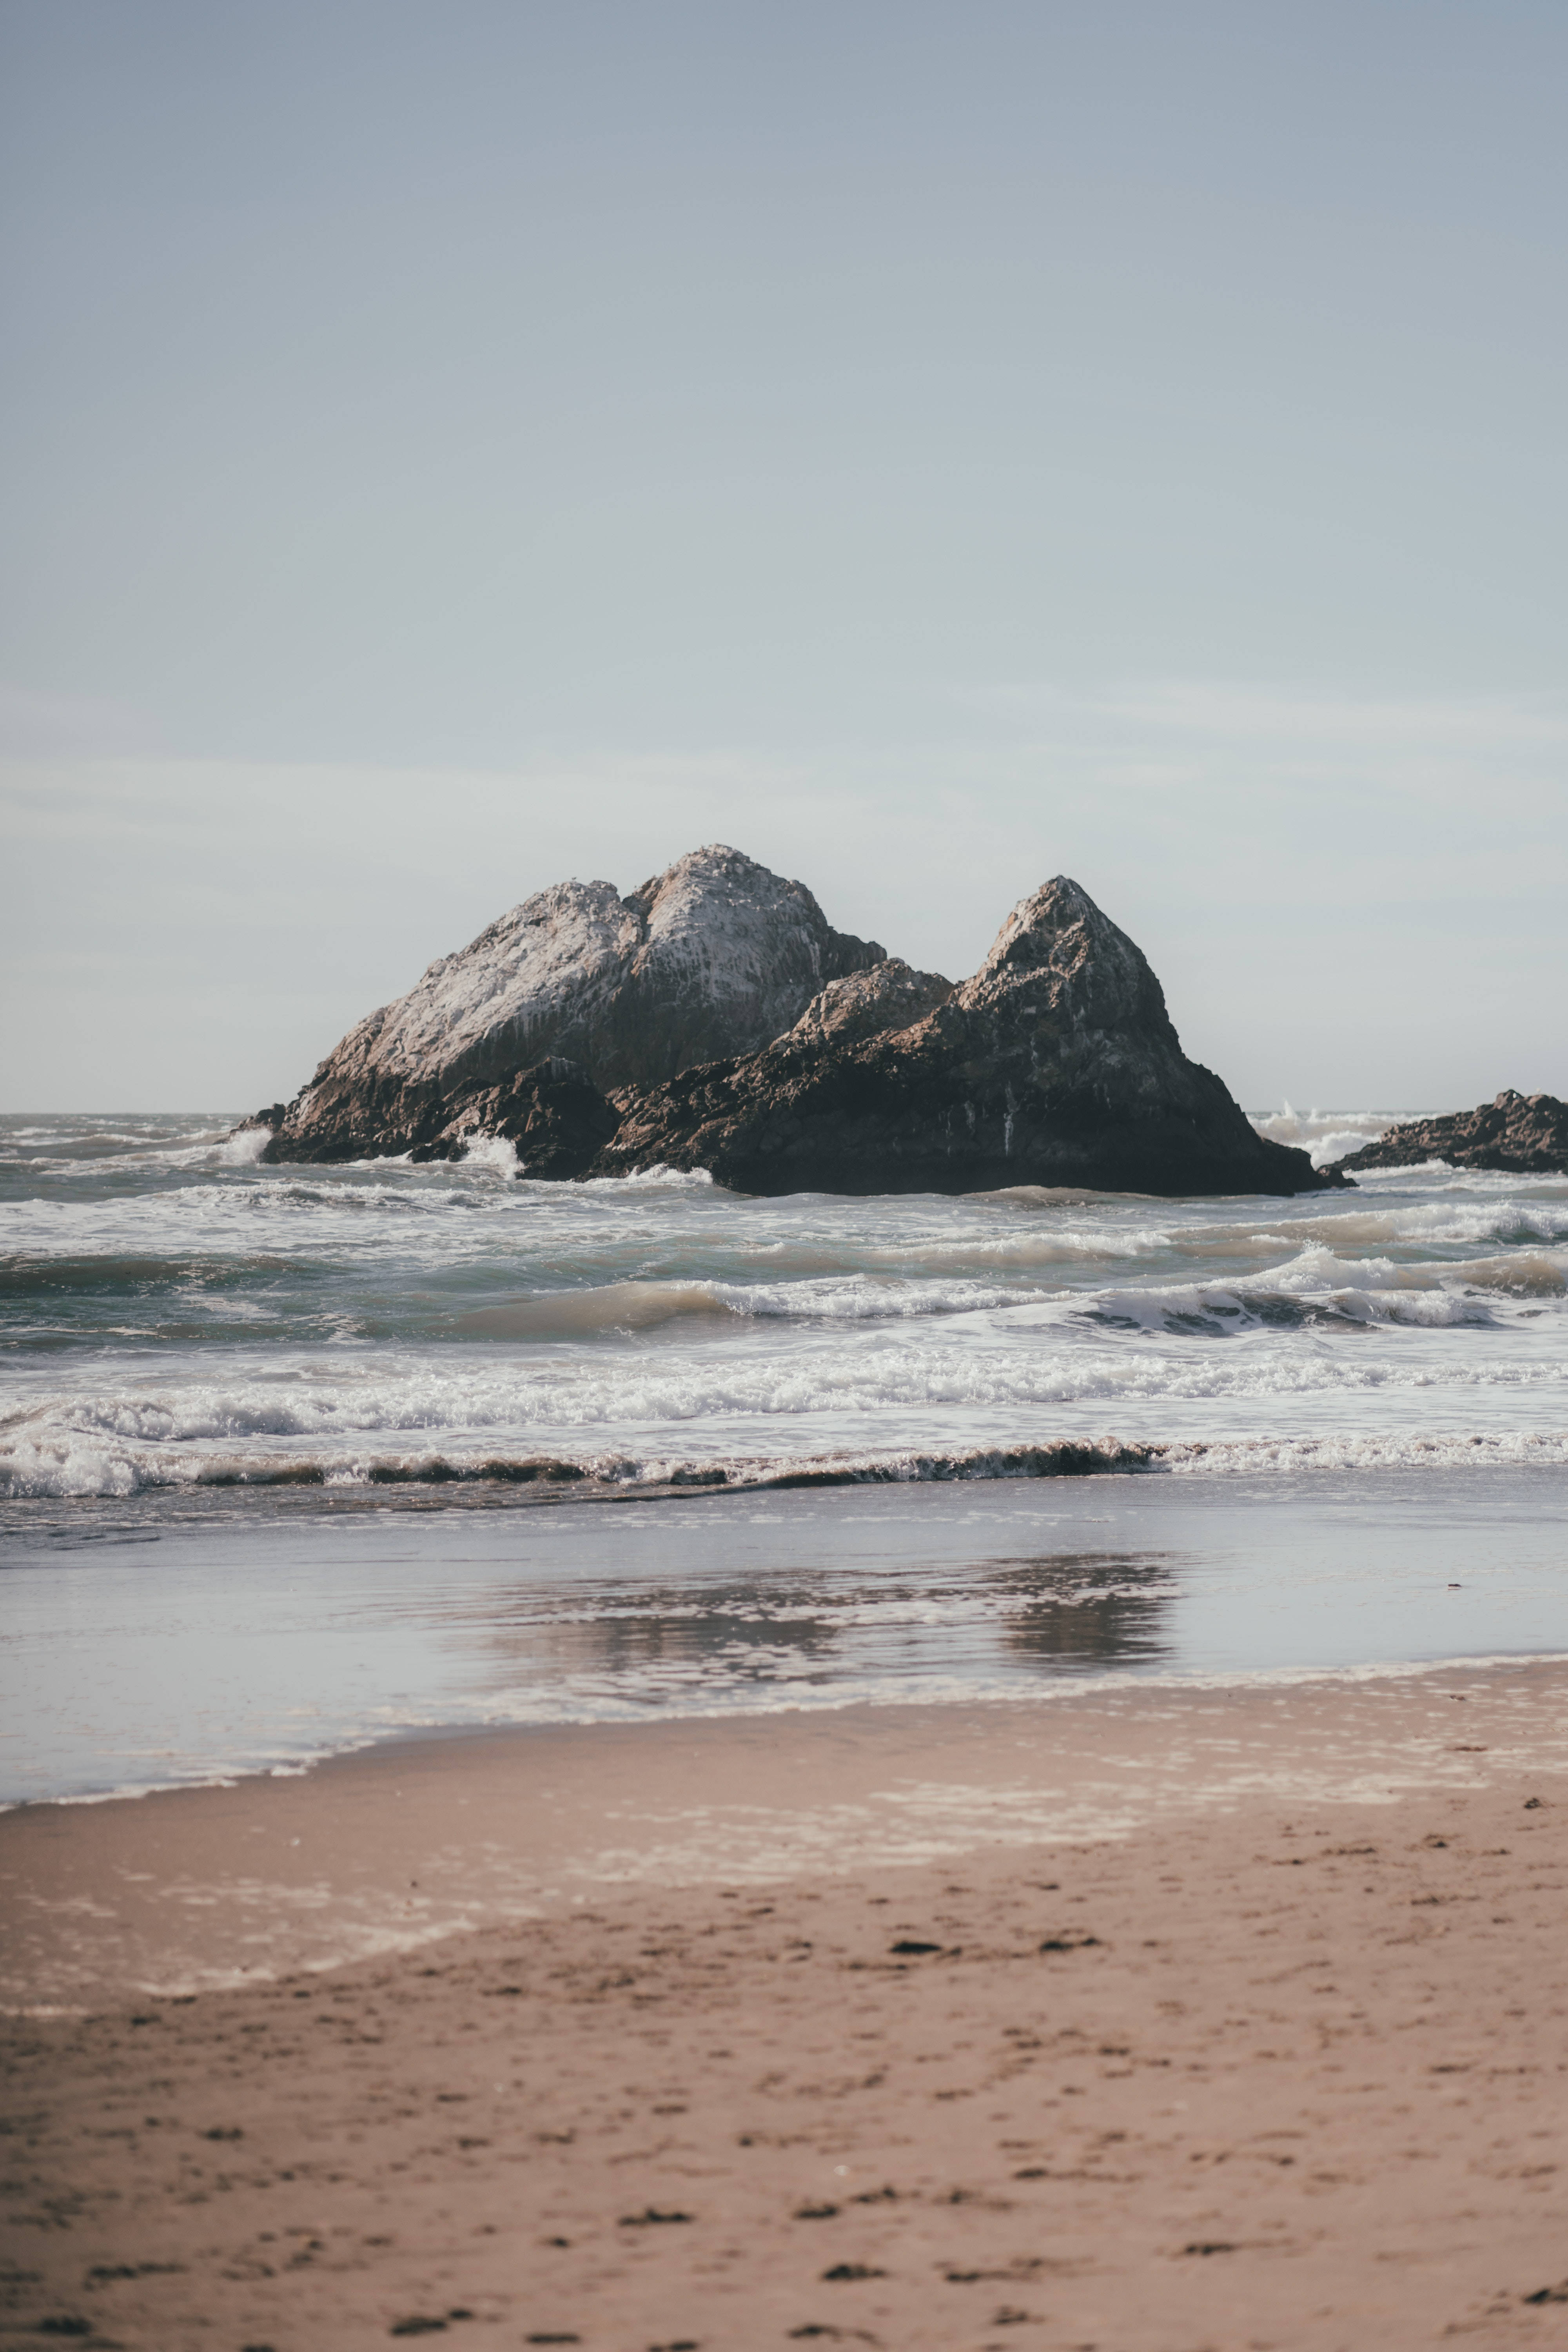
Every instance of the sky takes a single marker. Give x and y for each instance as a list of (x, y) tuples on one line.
[(449, 448)]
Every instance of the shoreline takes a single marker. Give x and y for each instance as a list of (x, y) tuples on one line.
[(398, 1843), (1111, 1683), (1223, 2020)]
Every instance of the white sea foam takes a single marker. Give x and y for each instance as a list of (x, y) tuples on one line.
[(678, 1180), (496, 1152), (244, 1148), (1327, 1136)]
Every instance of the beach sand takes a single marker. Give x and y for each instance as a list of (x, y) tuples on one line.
[(1137, 2018)]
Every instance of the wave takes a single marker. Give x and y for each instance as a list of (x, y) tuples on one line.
[(244, 1148), (1001, 1233), (362, 1397), (1328, 1135), (1454, 1220), (645, 1305), (304, 1419), (56, 1473), (1315, 1286), (850, 1283), (1319, 1286), (38, 1276)]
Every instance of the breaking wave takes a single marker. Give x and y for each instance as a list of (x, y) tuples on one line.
[(1327, 1136), (57, 1470)]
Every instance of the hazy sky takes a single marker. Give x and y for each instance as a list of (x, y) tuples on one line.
[(454, 446)]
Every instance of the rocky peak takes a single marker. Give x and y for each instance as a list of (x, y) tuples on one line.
[(712, 959), (1055, 927), (732, 956), (1090, 967)]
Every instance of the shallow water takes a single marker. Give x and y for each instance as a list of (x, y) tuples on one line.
[(141, 1651)]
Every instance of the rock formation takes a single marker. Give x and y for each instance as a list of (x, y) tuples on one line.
[(712, 959), (1519, 1134), (714, 1020), (1055, 1064)]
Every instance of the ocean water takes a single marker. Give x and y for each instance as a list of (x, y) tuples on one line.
[(273, 1442), (172, 1314)]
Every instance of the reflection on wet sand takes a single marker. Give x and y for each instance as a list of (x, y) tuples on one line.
[(1059, 1612), (1093, 1608), (740, 1635)]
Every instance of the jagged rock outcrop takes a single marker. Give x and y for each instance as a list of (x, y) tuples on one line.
[(1055, 1064), (712, 959), (1517, 1134)]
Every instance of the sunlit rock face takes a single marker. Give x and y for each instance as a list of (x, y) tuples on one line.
[(1055, 1064), (710, 960)]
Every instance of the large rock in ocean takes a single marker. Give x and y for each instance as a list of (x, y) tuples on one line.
[(576, 988), (1524, 1135), (1055, 1064)]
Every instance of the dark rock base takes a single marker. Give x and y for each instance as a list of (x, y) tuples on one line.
[(552, 1113), (867, 1125)]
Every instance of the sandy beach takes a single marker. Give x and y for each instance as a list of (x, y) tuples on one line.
[(1177, 2019)]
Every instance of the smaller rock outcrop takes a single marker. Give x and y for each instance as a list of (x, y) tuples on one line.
[(1524, 1135), (1055, 1064), (891, 995)]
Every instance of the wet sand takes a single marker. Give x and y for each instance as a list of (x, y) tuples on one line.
[(1154, 2018)]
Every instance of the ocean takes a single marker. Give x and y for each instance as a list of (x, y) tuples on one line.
[(554, 1451)]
